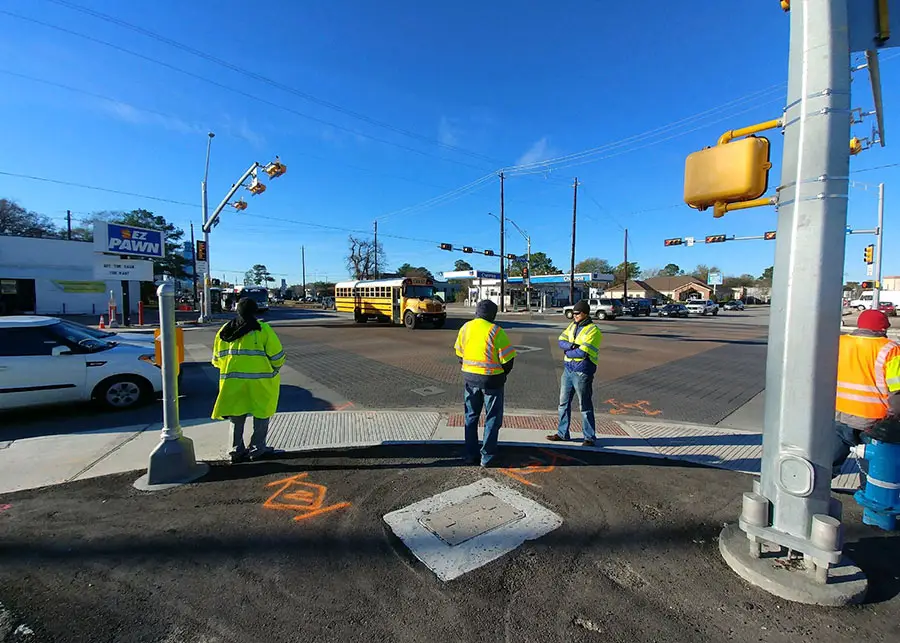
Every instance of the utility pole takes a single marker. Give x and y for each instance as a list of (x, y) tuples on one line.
[(625, 276), (502, 249), (376, 250), (303, 265), (572, 263), (791, 506), (194, 256), (876, 295), (69, 224)]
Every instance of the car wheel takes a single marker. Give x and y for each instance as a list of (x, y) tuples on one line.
[(569, 314), (715, 312), (860, 308), (122, 392), (409, 320), (647, 314), (601, 315)]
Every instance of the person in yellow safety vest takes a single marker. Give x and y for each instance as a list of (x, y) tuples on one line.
[(487, 358), (581, 344), (868, 384), (249, 356)]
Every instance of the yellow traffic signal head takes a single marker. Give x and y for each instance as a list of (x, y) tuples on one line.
[(716, 238), (256, 187), (856, 146), (275, 169), (769, 236), (239, 205), (729, 173), (673, 242), (869, 254)]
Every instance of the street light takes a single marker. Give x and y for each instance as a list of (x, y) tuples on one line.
[(527, 274), (206, 311)]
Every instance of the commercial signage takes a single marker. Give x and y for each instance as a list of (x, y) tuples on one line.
[(124, 269), (114, 238), (714, 279), (92, 287)]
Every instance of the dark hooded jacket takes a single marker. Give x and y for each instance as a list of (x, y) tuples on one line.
[(244, 323), (487, 310)]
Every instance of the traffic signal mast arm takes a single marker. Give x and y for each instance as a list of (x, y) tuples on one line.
[(730, 135), (234, 188)]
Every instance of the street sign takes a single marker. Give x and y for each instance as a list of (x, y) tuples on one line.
[(202, 268), (689, 241), (870, 269), (114, 238), (106, 268)]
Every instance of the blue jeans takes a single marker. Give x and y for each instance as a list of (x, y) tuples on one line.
[(491, 400), (581, 384), (847, 438)]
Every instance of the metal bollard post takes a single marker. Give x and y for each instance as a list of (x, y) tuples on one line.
[(172, 462), (140, 313)]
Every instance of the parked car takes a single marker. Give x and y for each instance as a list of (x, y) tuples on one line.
[(637, 307), (703, 307), (734, 304), (135, 339), (887, 308), (673, 310), (600, 309), (46, 360)]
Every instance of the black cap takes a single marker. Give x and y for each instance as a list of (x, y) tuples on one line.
[(486, 309), (582, 307)]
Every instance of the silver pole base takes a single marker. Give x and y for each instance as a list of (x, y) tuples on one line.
[(172, 463)]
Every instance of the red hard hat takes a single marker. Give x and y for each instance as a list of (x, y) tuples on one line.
[(873, 320)]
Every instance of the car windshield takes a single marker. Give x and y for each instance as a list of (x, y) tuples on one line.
[(422, 292), (80, 336), (886, 303)]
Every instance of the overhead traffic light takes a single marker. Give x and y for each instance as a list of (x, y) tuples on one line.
[(869, 254), (511, 257), (488, 253), (730, 173), (239, 205), (256, 186), (275, 169), (856, 146), (716, 238), (674, 242), (769, 236), (446, 246), (468, 249)]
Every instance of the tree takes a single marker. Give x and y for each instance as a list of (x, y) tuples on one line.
[(258, 275), (462, 264), (408, 270), (702, 271), (362, 256), (633, 272), (672, 270), (16, 221), (594, 264), (766, 276), (540, 264)]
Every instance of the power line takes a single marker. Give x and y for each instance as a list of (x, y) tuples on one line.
[(877, 167), (274, 83), (94, 187), (235, 90)]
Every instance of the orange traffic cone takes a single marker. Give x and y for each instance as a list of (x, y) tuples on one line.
[(102, 322)]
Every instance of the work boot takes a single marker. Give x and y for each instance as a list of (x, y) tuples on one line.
[(588, 442), (261, 453), (555, 438), (238, 456)]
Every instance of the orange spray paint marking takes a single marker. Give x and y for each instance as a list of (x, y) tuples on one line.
[(344, 406), (306, 498), (537, 465), (621, 408)]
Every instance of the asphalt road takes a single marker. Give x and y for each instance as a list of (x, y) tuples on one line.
[(635, 559), (694, 370)]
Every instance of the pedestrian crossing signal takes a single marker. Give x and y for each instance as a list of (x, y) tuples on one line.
[(769, 236), (446, 246), (674, 242), (468, 249), (716, 238)]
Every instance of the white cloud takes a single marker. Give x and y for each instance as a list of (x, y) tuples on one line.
[(448, 131), (540, 151), (130, 114)]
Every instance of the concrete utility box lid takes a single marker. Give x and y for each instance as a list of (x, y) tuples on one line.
[(463, 521)]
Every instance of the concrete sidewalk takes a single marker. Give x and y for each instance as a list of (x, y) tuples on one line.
[(48, 460)]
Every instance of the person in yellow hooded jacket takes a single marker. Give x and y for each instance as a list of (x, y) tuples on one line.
[(249, 356)]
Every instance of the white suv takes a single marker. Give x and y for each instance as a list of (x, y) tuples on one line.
[(45, 360), (703, 307)]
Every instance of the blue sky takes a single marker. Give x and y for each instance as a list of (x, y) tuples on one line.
[(366, 93)]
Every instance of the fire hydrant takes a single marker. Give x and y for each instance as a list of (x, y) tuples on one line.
[(880, 497)]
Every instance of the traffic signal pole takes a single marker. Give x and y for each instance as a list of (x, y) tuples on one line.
[(876, 294), (791, 508)]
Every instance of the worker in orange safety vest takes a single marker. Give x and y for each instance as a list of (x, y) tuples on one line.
[(868, 383)]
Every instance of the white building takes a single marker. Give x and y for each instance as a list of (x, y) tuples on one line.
[(55, 277)]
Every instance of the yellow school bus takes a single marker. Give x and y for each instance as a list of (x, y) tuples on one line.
[(410, 301)]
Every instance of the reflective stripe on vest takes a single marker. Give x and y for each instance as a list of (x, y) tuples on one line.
[(478, 344), (568, 335)]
